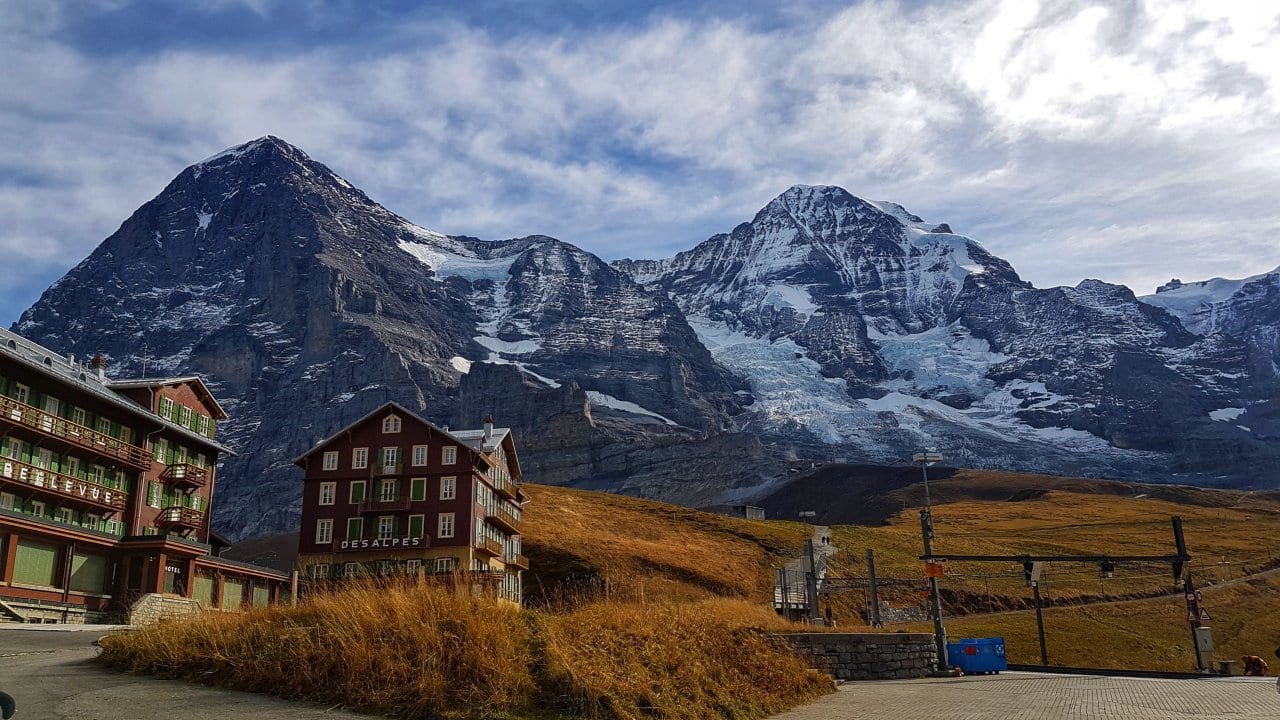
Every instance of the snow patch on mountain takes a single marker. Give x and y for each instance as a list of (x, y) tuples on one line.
[(1225, 414), (1199, 305), (609, 401)]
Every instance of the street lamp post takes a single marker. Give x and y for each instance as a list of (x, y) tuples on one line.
[(924, 460)]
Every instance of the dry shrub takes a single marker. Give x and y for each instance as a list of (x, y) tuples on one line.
[(411, 651), (695, 661), (425, 651)]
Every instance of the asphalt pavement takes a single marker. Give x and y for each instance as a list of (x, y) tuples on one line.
[(50, 672)]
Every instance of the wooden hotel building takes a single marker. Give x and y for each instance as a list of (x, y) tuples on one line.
[(106, 487), (394, 495)]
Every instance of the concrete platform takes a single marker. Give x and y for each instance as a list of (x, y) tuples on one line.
[(1035, 696)]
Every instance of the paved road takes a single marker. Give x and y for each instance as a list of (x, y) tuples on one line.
[(1033, 696), (51, 675)]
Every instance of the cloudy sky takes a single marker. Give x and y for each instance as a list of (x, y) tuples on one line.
[(1127, 141)]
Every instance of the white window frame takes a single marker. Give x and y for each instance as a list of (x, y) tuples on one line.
[(449, 454), (413, 566), (388, 490), (328, 493), (160, 449), (449, 487), (390, 459), (386, 527), (330, 461), (22, 393), (37, 508), (8, 500), (445, 525), (420, 455), (320, 571), (324, 531), (184, 416), (446, 564), (350, 569), (166, 407), (391, 424), (360, 458), (79, 417), (97, 474), (64, 515)]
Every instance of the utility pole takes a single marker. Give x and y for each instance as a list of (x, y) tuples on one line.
[(874, 616), (925, 459)]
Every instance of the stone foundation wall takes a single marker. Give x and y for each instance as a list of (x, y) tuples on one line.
[(152, 608), (868, 656)]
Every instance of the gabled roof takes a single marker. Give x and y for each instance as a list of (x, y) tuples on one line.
[(51, 364), (201, 388), (381, 409)]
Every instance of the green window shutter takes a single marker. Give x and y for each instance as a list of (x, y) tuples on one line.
[(355, 528), (203, 590), (261, 595), (36, 564), (232, 594), (418, 489), (357, 491), (89, 573), (415, 526)]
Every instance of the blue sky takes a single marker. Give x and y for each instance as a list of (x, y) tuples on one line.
[(1126, 141)]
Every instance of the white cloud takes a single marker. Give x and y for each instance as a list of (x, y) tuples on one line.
[(1075, 139)]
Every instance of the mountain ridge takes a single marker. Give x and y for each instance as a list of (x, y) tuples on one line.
[(827, 326)]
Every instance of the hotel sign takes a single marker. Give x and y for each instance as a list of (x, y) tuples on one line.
[(367, 544)]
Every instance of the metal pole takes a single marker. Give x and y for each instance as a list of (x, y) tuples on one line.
[(875, 596), (1044, 652), (811, 582), (935, 600), (1193, 615)]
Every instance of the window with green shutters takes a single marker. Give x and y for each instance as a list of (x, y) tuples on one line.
[(202, 592), (89, 573), (415, 526), (232, 594), (36, 564), (154, 493), (261, 595), (418, 489), (357, 491), (355, 528)]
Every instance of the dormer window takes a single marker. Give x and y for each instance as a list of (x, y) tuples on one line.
[(391, 424)]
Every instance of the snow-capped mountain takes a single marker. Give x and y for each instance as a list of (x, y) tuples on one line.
[(306, 305), (827, 326)]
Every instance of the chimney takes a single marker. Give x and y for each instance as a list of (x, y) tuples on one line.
[(488, 428), (99, 362)]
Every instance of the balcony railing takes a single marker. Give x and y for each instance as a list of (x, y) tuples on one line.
[(181, 517), (490, 546), (517, 560), (20, 414), (374, 505), (63, 487), (382, 468), (504, 517), (185, 475), (506, 487)]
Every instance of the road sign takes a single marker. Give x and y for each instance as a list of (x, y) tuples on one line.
[(1199, 596), (1190, 597), (926, 458), (1204, 615), (934, 569), (1191, 616)]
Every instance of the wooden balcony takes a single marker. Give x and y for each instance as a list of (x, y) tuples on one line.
[(180, 518), (490, 547), (62, 488), (504, 517), (16, 414), (184, 475), (384, 469), (504, 486), (398, 504), (517, 560)]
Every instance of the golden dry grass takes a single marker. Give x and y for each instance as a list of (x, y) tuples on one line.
[(633, 548), (425, 651)]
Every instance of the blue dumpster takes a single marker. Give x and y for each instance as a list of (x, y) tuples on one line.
[(978, 655)]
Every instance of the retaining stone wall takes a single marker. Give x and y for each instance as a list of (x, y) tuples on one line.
[(868, 656), (153, 607)]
